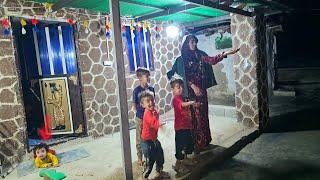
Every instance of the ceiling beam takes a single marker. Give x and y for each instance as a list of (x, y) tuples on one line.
[(275, 4), (217, 5), (168, 11), (141, 4), (208, 21), (227, 2), (202, 15), (60, 4)]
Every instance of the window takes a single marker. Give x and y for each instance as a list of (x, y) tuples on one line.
[(48, 52), (55, 52), (139, 49)]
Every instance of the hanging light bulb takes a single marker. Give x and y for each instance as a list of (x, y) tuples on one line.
[(172, 31)]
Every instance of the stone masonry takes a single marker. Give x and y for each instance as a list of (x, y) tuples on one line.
[(250, 69), (99, 85)]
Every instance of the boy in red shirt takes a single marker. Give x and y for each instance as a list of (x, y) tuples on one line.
[(183, 128), (150, 145)]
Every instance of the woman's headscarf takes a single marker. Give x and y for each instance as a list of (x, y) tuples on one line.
[(186, 53)]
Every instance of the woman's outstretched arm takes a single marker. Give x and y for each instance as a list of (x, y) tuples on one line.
[(212, 59), (215, 59)]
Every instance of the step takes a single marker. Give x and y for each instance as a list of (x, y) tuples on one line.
[(284, 93), (224, 111)]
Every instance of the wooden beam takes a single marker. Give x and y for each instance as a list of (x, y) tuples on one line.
[(169, 11), (227, 2), (208, 21), (274, 4), (161, 8), (217, 5), (141, 4), (60, 4), (201, 15), (118, 58)]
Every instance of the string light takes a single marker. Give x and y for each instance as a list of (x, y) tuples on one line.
[(85, 25), (34, 22), (108, 28), (6, 26), (23, 24), (70, 21)]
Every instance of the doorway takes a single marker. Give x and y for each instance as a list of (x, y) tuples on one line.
[(50, 81)]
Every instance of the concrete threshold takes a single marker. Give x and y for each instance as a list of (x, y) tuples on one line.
[(218, 155), (223, 111)]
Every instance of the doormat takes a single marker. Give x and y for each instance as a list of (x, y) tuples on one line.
[(51, 142), (28, 167)]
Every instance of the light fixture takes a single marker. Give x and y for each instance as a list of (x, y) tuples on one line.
[(172, 31)]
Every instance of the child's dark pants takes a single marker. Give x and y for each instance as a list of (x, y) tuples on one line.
[(153, 153), (184, 143)]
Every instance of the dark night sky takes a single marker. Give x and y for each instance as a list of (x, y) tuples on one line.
[(299, 43), (300, 39)]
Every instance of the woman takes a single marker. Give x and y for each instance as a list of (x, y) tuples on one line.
[(194, 66)]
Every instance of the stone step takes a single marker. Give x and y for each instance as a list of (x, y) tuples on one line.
[(284, 93), (299, 75), (224, 111)]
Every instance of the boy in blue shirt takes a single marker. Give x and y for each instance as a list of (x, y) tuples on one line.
[(144, 78)]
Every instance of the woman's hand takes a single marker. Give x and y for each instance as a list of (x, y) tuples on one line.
[(190, 103), (225, 54), (196, 90), (197, 104)]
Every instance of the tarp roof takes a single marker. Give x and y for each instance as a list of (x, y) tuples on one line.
[(180, 11)]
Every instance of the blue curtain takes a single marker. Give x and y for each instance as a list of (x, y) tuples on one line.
[(139, 49), (69, 49), (130, 49), (149, 48), (27, 51), (55, 46), (43, 50), (142, 48)]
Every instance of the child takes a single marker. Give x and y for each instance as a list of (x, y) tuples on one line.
[(43, 158), (143, 76), (183, 128), (150, 145)]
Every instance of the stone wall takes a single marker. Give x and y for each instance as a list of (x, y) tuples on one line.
[(250, 69), (98, 81), (99, 85), (12, 117)]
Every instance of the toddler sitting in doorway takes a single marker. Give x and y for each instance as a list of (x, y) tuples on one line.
[(44, 157)]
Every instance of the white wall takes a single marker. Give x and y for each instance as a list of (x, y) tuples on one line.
[(207, 44)]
